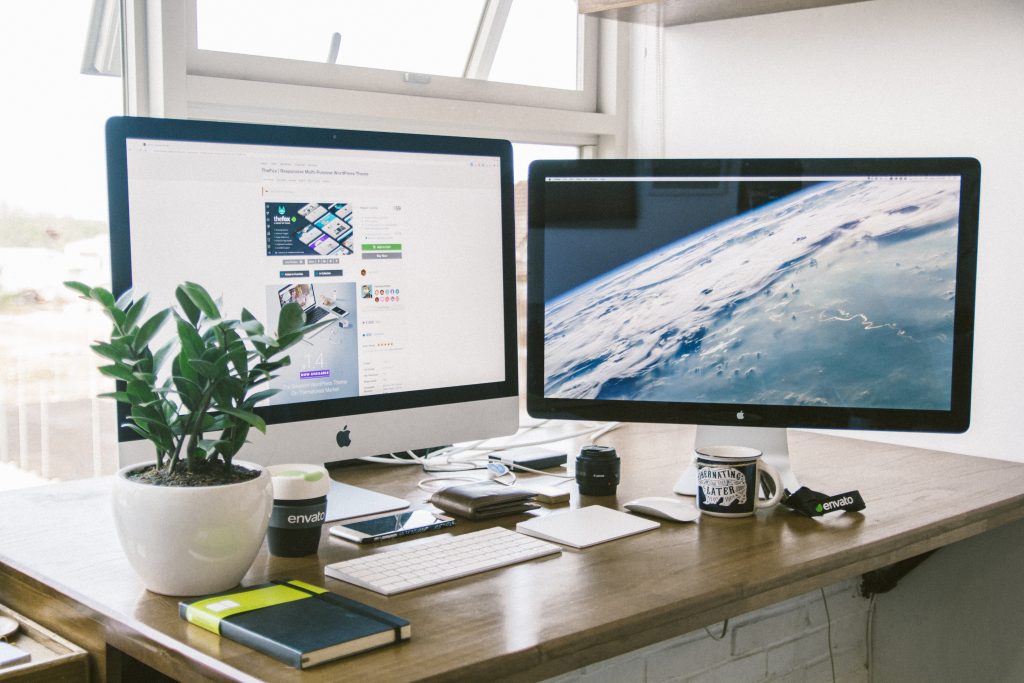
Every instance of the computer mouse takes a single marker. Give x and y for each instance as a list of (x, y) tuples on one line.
[(675, 509)]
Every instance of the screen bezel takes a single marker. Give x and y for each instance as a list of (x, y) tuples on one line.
[(120, 129), (955, 419)]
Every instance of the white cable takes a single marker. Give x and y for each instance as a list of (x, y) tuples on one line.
[(388, 460), (423, 483), (473, 455), (452, 467), (600, 429), (516, 466), (609, 427)]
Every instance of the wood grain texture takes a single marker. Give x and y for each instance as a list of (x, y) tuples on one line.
[(52, 658), (678, 12), (61, 565)]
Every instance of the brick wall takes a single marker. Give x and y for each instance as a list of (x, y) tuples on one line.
[(787, 642)]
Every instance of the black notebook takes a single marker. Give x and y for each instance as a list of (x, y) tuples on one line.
[(296, 622)]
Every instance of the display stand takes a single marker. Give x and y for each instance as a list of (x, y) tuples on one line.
[(771, 441)]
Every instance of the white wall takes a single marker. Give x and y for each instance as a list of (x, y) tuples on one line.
[(878, 78), (958, 616)]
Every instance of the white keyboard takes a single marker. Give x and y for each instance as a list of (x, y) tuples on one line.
[(440, 559)]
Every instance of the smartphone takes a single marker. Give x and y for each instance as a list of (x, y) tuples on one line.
[(391, 526)]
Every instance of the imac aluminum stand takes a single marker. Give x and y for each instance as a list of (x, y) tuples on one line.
[(771, 441)]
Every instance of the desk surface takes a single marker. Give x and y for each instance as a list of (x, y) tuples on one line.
[(60, 563)]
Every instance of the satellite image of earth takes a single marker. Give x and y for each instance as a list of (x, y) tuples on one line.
[(840, 294)]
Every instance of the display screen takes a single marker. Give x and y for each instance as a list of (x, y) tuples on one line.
[(742, 288), (369, 233), (400, 246)]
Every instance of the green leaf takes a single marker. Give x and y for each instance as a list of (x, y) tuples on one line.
[(149, 329), (232, 391), (118, 317), (202, 299), (144, 420), (138, 430), (121, 396), (286, 341), (117, 372), (124, 301), (192, 344), (115, 351), (259, 396), (239, 355), (249, 324), (272, 365), (249, 418), (80, 287), (262, 339), (134, 310), (181, 367), (216, 355), (103, 297), (208, 370), (185, 381), (291, 319), (158, 430), (191, 382), (213, 422), (191, 311), (148, 377), (209, 445), (235, 441), (140, 392), (160, 355)]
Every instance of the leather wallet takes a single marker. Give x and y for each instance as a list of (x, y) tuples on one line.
[(484, 500)]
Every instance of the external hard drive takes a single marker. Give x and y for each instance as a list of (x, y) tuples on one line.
[(533, 457)]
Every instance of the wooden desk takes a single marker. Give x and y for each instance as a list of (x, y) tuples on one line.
[(60, 564)]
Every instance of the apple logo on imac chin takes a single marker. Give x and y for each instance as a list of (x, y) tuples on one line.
[(344, 437)]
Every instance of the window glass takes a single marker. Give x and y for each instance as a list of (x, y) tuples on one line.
[(403, 35), (522, 155), (53, 227), (538, 45)]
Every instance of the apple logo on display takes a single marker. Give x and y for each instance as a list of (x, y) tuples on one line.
[(344, 437), (739, 416)]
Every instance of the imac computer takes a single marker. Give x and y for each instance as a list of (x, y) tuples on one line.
[(404, 243), (746, 296)]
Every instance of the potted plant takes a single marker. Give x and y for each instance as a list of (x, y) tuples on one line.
[(192, 522)]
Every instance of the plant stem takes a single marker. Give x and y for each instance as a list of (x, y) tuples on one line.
[(194, 424)]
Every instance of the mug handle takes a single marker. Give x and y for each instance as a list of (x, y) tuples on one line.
[(774, 474)]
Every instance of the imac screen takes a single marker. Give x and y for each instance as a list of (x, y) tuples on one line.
[(402, 242), (828, 293)]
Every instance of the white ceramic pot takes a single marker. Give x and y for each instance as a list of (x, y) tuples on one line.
[(184, 540)]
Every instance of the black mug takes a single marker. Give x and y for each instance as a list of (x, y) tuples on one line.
[(728, 480), (300, 509)]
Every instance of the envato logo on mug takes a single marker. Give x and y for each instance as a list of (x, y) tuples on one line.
[(300, 508), (728, 479)]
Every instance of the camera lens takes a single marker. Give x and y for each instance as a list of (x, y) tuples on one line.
[(597, 471)]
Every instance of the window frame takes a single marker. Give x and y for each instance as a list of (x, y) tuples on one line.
[(212, 63), (168, 75)]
